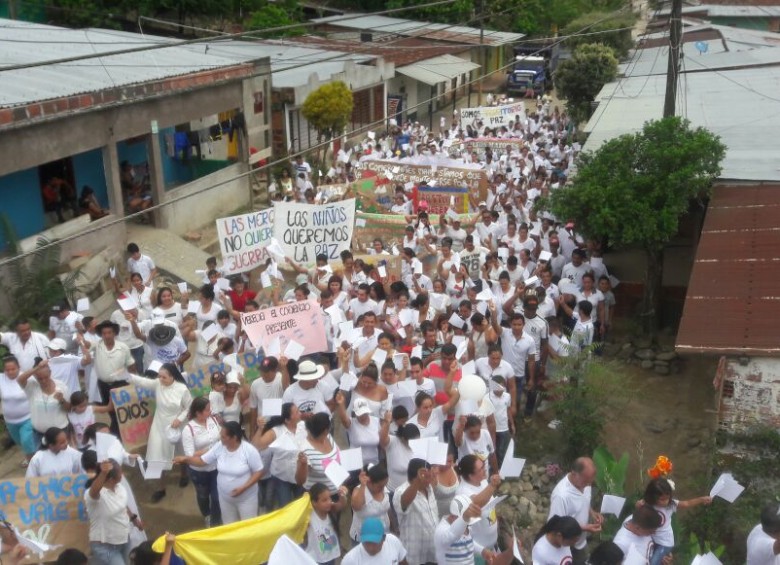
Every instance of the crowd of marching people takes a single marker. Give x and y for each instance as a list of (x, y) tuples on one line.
[(506, 300)]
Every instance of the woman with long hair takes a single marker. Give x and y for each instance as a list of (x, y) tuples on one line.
[(284, 457), (554, 540), (199, 434), (172, 404)]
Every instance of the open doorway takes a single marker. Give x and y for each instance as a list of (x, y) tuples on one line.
[(58, 191)]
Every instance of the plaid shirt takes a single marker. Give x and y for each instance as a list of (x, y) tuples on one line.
[(418, 525)]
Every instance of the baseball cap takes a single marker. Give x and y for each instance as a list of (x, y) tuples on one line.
[(232, 378), (269, 364), (372, 530), (57, 344), (360, 408)]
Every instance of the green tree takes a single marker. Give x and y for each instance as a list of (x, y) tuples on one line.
[(328, 109), (458, 12), (633, 190), (580, 78), (269, 15), (620, 40)]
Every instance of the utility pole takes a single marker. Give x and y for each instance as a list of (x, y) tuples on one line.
[(482, 58), (673, 69)]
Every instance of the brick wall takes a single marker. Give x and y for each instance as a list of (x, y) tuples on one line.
[(38, 111), (750, 394)]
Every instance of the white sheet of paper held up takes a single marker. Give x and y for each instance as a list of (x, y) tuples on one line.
[(352, 459), (612, 504), (336, 473), (294, 350)]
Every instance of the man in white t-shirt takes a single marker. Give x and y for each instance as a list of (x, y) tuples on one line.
[(273, 379), (307, 392), (578, 267), (636, 535), (25, 344), (64, 366), (63, 324), (141, 264), (763, 543), (571, 497), (362, 304), (520, 352), (376, 547)]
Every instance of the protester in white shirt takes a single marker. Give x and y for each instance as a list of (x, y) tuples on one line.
[(25, 344), (637, 531), (48, 399), (571, 497), (472, 439), (452, 539), (55, 456), (239, 468), (64, 324), (64, 366), (763, 542), (106, 501), (376, 547), (16, 408), (415, 506), (199, 434), (554, 541), (141, 264)]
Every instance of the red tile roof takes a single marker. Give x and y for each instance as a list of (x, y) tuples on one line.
[(733, 300)]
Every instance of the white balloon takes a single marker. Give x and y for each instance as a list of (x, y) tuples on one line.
[(472, 387)]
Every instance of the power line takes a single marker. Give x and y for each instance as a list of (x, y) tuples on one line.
[(285, 159)]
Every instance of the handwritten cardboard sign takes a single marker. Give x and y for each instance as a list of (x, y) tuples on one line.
[(134, 407), (306, 230), (498, 146), (199, 382), (390, 228), (442, 175), (492, 116), (440, 199), (243, 238), (296, 321), (49, 510)]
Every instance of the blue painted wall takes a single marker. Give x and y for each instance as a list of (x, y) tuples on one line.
[(20, 195), (88, 169)]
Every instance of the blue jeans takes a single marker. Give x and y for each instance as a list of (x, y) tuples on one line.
[(205, 483), (138, 357), (502, 439), (108, 553), (283, 492), (659, 552), (24, 436)]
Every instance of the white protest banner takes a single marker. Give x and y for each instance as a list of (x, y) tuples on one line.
[(243, 238), (302, 322), (306, 230), (492, 116)]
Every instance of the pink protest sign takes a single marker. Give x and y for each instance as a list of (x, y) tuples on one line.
[(297, 321)]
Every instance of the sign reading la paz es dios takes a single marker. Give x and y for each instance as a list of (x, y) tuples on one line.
[(243, 239), (306, 230)]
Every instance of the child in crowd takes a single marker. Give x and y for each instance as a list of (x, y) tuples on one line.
[(582, 334), (322, 537), (81, 415), (658, 494)]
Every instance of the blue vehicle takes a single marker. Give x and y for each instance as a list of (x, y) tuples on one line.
[(528, 76)]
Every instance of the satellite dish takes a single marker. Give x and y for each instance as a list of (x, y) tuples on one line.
[(702, 47)]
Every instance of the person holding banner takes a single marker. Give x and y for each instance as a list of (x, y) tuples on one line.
[(172, 404), (55, 456)]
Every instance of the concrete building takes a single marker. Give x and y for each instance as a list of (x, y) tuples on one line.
[(442, 77), (764, 16), (181, 119), (731, 304)]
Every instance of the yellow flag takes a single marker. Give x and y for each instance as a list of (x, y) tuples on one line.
[(248, 542)]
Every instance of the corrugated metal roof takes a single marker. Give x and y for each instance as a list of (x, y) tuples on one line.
[(438, 69), (739, 105), (733, 300), (400, 52), (25, 42), (733, 11), (441, 32)]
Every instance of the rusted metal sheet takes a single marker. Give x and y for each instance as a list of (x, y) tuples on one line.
[(733, 300)]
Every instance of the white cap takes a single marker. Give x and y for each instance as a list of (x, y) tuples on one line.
[(360, 407), (57, 344), (232, 378)]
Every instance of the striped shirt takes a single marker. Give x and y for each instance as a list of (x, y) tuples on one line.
[(318, 461), (454, 544), (417, 524)]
